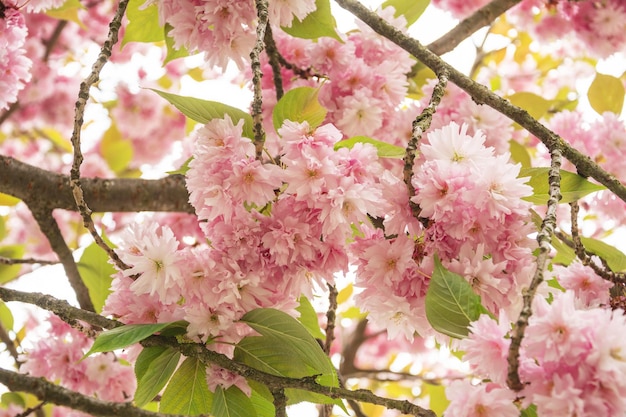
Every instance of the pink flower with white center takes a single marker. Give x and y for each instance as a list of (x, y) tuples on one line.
[(208, 322), (452, 144), (590, 288), (487, 348), (153, 254), (483, 400), (361, 114), (14, 65), (282, 12), (563, 399), (253, 182), (388, 260)]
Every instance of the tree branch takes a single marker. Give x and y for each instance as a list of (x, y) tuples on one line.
[(482, 95), (53, 191), (81, 102), (257, 74), (543, 238), (61, 308), (55, 394), (50, 229), (480, 18)]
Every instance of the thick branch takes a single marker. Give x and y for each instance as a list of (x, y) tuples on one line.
[(480, 18), (53, 191), (59, 307), (482, 95), (55, 394)]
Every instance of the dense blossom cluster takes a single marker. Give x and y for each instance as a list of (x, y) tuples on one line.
[(14, 65), (59, 357)]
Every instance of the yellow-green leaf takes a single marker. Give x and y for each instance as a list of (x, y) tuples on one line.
[(188, 393), (68, 11), (143, 23), (606, 93), (9, 272), (410, 9), (535, 105), (96, 271), (383, 149), (116, 151), (319, 23), (299, 105), (573, 186)]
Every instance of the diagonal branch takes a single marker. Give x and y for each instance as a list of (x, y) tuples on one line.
[(50, 229), (30, 183), (480, 18), (482, 95)]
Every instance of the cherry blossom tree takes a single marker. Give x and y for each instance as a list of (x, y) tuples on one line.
[(377, 233)]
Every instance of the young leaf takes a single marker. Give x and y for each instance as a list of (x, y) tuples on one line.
[(232, 403), (172, 52), (451, 304), (204, 111), (519, 153), (6, 316), (535, 105), (606, 93), (96, 271), (187, 393), (308, 318), (299, 105), (124, 336), (154, 367), (410, 9), (116, 151), (10, 272), (573, 186), (384, 149), (143, 24), (315, 25), (613, 256)]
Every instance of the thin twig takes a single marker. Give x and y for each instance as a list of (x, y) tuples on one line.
[(15, 261), (36, 409), (482, 95), (81, 102), (6, 339), (272, 55), (543, 238), (331, 316), (421, 125), (50, 229), (257, 74)]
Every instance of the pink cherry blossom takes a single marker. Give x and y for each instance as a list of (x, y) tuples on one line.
[(14, 65)]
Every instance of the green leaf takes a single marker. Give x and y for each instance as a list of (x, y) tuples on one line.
[(564, 254), (6, 317), (68, 11), (116, 151), (299, 105), (437, 394), (154, 367), (530, 411), (519, 154), (204, 111), (123, 336), (187, 393), (308, 318), (9, 272), (573, 186), (96, 272), (183, 168), (384, 149), (172, 52), (535, 105), (262, 405), (143, 23), (613, 256), (286, 348), (315, 25), (232, 403), (410, 9), (451, 304), (606, 93)]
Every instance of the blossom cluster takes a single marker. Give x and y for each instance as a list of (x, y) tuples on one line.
[(59, 357), (472, 211), (14, 64), (571, 356), (223, 29)]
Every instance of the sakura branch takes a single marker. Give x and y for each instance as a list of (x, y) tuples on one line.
[(480, 18), (543, 238), (482, 95), (331, 316), (53, 191), (274, 58), (420, 125), (257, 74), (83, 96), (14, 261), (51, 393)]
